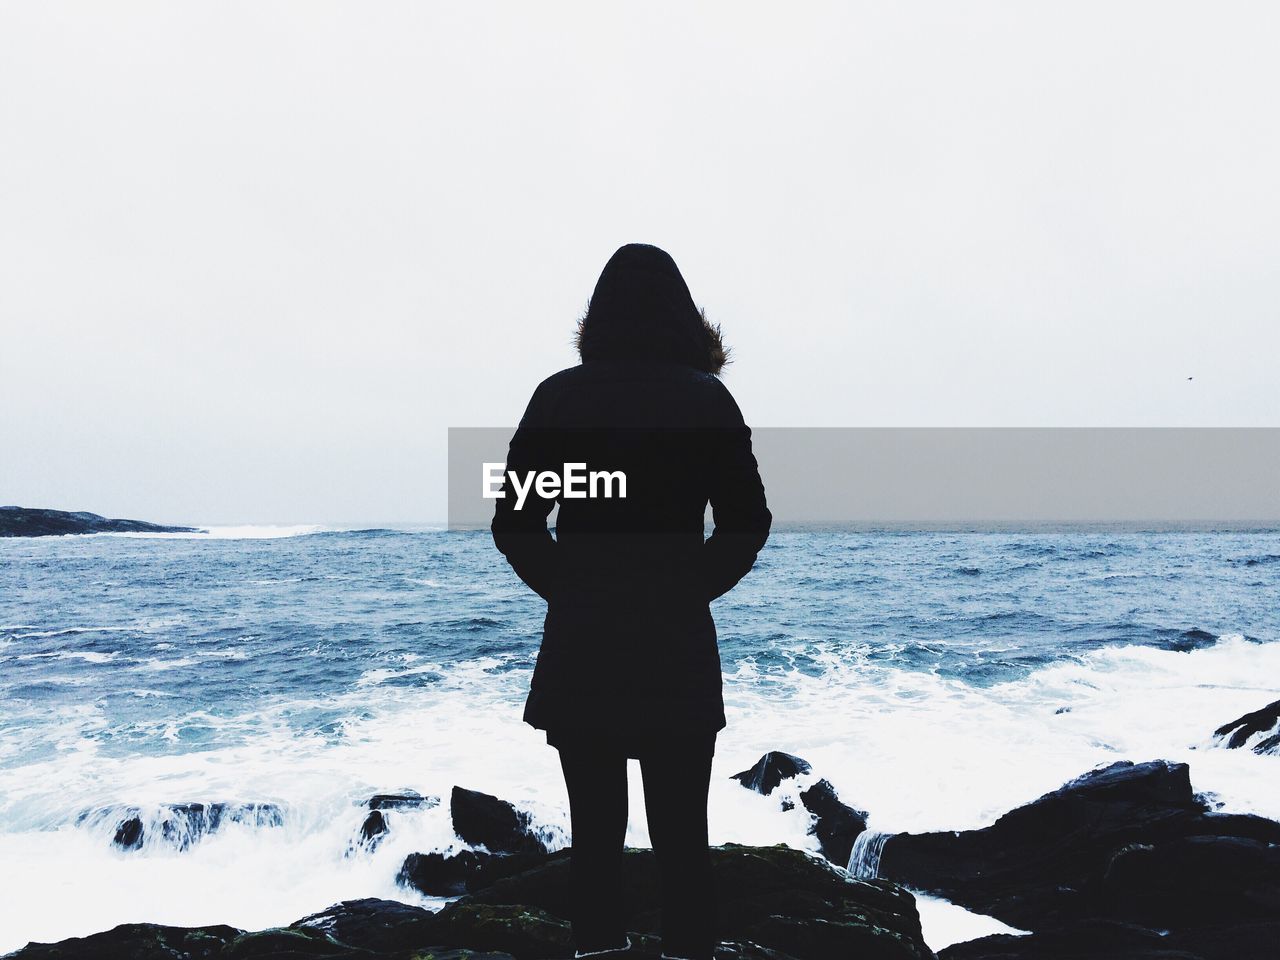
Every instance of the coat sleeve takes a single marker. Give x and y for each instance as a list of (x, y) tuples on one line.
[(739, 511), (522, 535)]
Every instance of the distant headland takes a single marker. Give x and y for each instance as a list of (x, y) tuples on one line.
[(34, 522)]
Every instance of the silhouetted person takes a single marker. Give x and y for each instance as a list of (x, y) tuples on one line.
[(629, 665)]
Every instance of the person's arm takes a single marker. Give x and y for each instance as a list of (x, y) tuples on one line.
[(522, 535), (738, 508)]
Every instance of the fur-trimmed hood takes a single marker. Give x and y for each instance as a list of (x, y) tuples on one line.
[(642, 309)]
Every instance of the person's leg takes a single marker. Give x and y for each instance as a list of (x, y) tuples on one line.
[(676, 780), (596, 781)]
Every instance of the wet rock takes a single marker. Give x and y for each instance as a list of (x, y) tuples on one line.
[(372, 830), (128, 834), (1242, 941), (289, 944), (437, 875), (1110, 940), (376, 825), (836, 824), (484, 820), (388, 928), (770, 770), (525, 932), (783, 900), (1090, 940), (178, 825), (1193, 881), (1238, 732), (379, 926), (408, 800), (776, 903), (1077, 853), (136, 941)]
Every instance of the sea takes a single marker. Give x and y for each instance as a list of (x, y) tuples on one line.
[(937, 678)]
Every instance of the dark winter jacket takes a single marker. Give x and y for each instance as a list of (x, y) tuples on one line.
[(629, 645)]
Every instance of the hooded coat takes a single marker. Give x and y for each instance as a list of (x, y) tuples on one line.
[(629, 651)]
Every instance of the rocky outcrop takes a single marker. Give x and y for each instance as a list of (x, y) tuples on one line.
[(138, 941), (778, 898), (770, 770), (1129, 843), (34, 522), (485, 821), (406, 800), (1123, 862), (378, 926), (178, 825), (1089, 940), (438, 875), (835, 824), (1111, 940), (1264, 722), (776, 903), (377, 823)]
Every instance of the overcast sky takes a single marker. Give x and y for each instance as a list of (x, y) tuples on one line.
[(257, 257)]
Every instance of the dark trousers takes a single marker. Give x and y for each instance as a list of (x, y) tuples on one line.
[(676, 778)]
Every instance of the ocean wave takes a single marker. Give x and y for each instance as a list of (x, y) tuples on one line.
[(67, 631), (1258, 561), (263, 532), (231, 532)]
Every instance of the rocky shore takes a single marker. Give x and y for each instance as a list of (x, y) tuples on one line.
[(35, 522), (776, 903), (1125, 861)]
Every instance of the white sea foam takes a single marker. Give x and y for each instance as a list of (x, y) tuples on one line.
[(66, 631), (238, 532), (944, 923), (87, 656), (917, 750)]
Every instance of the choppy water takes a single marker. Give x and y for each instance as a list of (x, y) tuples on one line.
[(937, 679)]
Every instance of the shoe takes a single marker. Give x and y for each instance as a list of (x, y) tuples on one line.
[(610, 952)]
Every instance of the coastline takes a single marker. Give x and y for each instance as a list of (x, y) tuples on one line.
[(1124, 860)]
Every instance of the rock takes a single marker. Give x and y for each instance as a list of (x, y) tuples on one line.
[(775, 903), (128, 834), (836, 825), (1090, 940), (437, 875), (484, 820), (784, 900), (289, 944), (1062, 857), (380, 926), (376, 826), (1193, 881), (1242, 941), (409, 800), (1109, 940), (136, 941), (770, 770), (372, 830), (179, 825), (525, 932), (387, 927), (1239, 731), (35, 522)]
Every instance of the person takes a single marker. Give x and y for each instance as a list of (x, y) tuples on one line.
[(629, 665)]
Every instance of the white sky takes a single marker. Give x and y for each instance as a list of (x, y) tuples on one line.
[(257, 257)]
